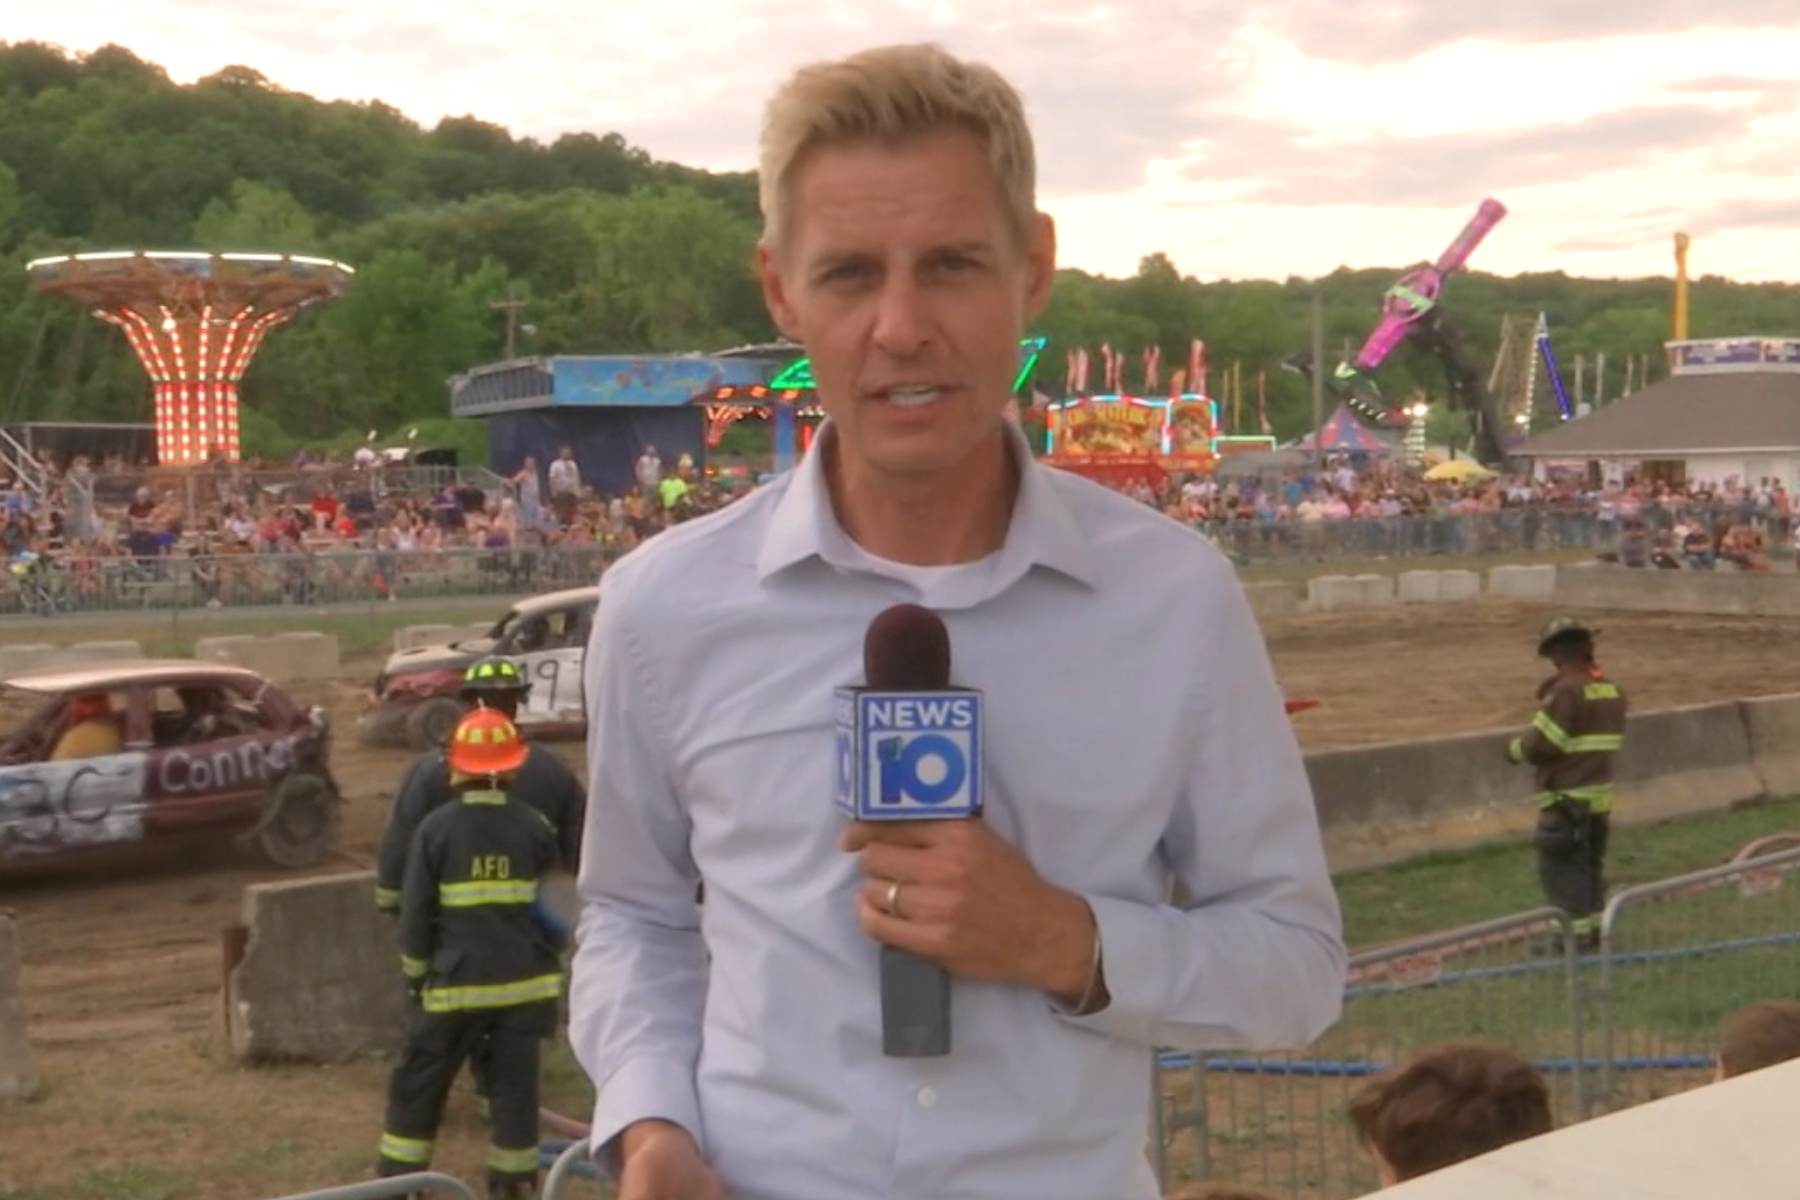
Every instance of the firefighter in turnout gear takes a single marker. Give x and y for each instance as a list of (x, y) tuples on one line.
[(478, 958), (1573, 744), (544, 782)]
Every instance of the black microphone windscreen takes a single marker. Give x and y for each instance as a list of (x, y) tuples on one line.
[(907, 649)]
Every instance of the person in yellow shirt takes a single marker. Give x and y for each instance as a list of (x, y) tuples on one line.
[(93, 729)]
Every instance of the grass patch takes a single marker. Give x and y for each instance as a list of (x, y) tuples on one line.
[(1442, 890), (136, 1182)]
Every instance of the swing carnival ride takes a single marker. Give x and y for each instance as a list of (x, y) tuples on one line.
[(195, 321), (1413, 311)]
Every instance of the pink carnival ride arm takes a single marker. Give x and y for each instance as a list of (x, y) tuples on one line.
[(1479, 226), (1418, 291)]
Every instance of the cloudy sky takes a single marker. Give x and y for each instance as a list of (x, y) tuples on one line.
[(1246, 138)]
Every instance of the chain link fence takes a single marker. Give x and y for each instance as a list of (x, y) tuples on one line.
[(88, 584), (1278, 1121), (1676, 957), (1632, 1022), (1525, 529)]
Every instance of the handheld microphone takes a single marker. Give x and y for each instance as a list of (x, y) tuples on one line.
[(909, 749)]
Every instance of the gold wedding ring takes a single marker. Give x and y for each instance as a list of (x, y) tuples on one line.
[(893, 900)]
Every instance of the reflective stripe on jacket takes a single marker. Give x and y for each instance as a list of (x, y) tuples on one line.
[(1574, 740)]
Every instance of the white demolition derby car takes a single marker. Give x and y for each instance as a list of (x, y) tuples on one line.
[(414, 699)]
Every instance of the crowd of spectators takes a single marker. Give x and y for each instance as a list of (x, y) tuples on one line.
[(102, 533), (324, 523)]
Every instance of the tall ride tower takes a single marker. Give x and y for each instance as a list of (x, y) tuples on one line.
[(195, 321)]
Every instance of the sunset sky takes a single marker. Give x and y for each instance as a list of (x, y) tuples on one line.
[(1245, 138)]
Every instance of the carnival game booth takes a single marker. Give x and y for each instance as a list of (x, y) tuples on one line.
[(788, 400), (1121, 439)]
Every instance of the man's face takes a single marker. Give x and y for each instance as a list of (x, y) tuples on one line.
[(904, 280)]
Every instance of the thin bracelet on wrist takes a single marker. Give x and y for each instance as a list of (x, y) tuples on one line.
[(1093, 984)]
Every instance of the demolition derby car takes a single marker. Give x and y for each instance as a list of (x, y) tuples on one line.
[(414, 700), (171, 753)]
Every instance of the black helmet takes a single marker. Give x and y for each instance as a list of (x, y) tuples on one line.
[(493, 676), (1563, 629)]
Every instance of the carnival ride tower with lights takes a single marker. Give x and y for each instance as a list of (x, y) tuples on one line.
[(195, 321)]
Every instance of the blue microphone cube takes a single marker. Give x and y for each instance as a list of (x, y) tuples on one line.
[(908, 756)]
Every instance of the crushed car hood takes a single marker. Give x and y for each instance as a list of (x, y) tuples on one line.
[(437, 658)]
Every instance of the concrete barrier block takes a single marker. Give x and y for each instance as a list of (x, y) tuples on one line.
[(1686, 760), (308, 656), (1773, 725), (1374, 589), (105, 652), (24, 659), (238, 648), (1641, 589), (1383, 804), (1459, 585), (1420, 587), (1328, 593), (320, 978), (1273, 599), (284, 658), (18, 1076), (1525, 582)]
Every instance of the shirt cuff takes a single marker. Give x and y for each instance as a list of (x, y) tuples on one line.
[(1114, 921), (643, 1089)]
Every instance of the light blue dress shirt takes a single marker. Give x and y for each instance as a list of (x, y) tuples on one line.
[(1135, 734)]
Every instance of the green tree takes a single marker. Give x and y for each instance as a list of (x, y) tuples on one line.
[(256, 218)]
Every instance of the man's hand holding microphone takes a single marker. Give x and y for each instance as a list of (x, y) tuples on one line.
[(942, 894)]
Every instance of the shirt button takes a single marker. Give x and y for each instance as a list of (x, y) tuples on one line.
[(927, 1097)]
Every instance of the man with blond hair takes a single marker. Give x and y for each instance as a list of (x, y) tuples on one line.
[(737, 1046)]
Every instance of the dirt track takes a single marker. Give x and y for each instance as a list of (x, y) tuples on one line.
[(121, 974)]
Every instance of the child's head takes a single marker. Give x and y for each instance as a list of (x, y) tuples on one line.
[(1759, 1035), (1451, 1102), (1217, 1191)]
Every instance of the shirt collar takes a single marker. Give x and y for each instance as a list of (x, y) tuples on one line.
[(1043, 531)]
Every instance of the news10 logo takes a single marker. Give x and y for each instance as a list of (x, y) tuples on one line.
[(908, 756)]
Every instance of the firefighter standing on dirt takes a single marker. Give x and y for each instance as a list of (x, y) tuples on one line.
[(1574, 742), (485, 971), (544, 782)]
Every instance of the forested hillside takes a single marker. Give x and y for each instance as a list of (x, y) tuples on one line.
[(612, 250)]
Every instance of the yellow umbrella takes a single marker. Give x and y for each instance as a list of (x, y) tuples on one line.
[(1458, 470)]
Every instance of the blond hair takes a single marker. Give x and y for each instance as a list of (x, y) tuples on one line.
[(888, 95)]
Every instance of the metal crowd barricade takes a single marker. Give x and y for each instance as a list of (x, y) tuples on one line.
[(572, 1163), (1278, 1121), (348, 575), (423, 1183), (1680, 954)]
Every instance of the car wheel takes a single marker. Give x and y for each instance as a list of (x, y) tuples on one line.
[(430, 725), (301, 828)]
